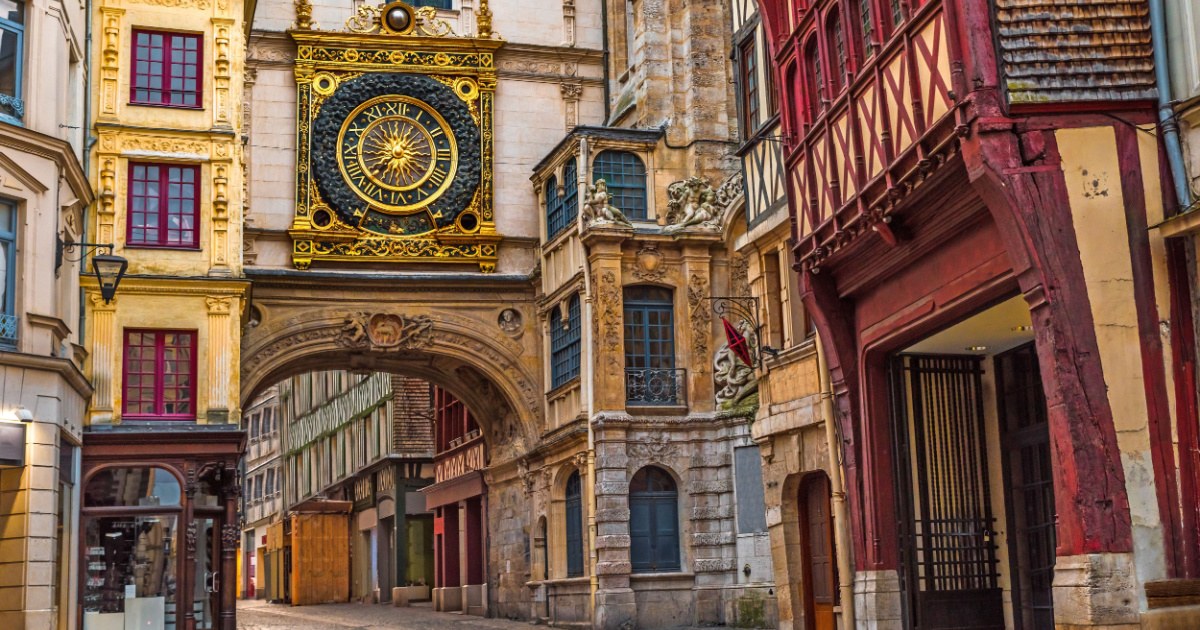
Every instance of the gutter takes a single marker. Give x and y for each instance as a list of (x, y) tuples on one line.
[(1167, 124)]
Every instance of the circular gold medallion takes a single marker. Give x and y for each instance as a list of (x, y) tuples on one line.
[(397, 153)]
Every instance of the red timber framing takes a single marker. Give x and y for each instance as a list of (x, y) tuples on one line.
[(918, 198)]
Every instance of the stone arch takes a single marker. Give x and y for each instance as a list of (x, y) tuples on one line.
[(490, 373)]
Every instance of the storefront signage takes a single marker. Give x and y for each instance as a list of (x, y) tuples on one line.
[(460, 463), (12, 444)]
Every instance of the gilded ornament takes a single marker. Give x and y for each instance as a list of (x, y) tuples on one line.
[(324, 83)]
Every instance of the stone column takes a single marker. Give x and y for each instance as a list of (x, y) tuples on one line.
[(608, 334), (614, 598), (104, 357), (220, 358), (696, 334)]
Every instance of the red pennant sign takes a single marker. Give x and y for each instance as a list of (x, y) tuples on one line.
[(737, 342)]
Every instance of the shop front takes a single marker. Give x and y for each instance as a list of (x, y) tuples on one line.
[(159, 528)]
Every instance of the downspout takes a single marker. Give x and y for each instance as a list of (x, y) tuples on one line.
[(86, 155), (1166, 112), (838, 492), (585, 381), (605, 57)]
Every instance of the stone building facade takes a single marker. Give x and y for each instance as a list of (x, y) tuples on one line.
[(43, 197), (262, 500), (588, 350)]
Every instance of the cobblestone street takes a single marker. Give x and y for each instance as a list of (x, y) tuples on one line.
[(257, 615)]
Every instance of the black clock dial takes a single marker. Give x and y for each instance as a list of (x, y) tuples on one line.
[(396, 154)]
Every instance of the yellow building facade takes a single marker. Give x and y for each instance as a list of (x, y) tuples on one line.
[(167, 172)]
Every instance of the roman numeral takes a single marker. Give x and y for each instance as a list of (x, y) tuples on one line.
[(443, 154), (437, 176), (435, 132)]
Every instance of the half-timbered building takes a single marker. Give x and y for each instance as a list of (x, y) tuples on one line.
[(970, 185)]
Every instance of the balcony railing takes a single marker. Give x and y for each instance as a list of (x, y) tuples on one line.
[(654, 387), (8, 330)]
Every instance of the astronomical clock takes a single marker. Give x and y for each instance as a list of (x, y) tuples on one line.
[(395, 141)]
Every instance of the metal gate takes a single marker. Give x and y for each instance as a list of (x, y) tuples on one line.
[(947, 555)]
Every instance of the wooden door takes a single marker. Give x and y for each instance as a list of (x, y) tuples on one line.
[(820, 575), (1029, 486)]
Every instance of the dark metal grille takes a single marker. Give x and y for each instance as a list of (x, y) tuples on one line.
[(625, 175), (946, 523), (656, 386)]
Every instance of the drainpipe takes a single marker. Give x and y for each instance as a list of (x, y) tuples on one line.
[(1166, 112), (585, 381), (838, 492)]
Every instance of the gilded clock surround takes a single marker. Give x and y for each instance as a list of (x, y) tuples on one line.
[(394, 141)]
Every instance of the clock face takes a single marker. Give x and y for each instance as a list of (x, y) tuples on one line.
[(397, 154)]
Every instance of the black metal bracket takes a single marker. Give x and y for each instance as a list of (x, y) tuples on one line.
[(746, 308), (63, 247)]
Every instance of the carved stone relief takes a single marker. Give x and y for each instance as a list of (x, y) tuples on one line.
[(692, 203), (700, 313), (650, 266), (385, 331)]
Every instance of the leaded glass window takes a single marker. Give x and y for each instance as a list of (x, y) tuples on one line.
[(625, 175)]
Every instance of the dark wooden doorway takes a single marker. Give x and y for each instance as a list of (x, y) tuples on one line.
[(1029, 486), (948, 566), (820, 570)]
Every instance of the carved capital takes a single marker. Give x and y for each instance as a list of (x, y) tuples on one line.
[(218, 305)]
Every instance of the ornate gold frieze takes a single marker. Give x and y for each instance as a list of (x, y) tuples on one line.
[(394, 142)]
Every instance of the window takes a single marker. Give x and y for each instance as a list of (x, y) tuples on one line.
[(815, 92), (445, 5), (897, 13), (653, 521), (837, 65), (574, 526), (12, 52), (565, 343), (8, 275), (649, 328), (163, 204), (270, 482), (748, 80), (166, 69), (159, 375), (562, 209), (868, 28), (625, 175)]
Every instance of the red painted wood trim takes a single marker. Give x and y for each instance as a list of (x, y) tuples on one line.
[(1033, 213), (1183, 357), (1150, 343)]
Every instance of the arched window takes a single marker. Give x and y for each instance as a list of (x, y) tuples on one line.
[(625, 175), (835, 40), (574, 526), (565, 343), (653, 521), (561, 209), (816, 82)]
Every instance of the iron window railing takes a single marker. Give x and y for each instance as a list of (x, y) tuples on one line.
[(656, 386)]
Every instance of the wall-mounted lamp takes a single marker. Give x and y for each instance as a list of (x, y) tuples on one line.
[(108, 268)]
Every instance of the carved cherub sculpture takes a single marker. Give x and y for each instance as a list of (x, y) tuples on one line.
[(692, 202), (598, 206)]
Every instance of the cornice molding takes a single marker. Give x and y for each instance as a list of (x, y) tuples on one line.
[(53, 149), (64, 367)]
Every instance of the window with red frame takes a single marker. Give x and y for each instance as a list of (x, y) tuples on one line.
[(897, 13), (815, 87), (866, 18), (163, 205), (160, 374), (166, 69), (837, 42), (748, 78)]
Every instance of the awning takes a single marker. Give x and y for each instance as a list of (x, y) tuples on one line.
[(454, 490)]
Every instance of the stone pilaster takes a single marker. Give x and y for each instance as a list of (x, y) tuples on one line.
[(696, 334), (105, 345), (220, 358), (614, 597), (223, 97), (608, 332), (714, 553), (221, 172), (110, 53)]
